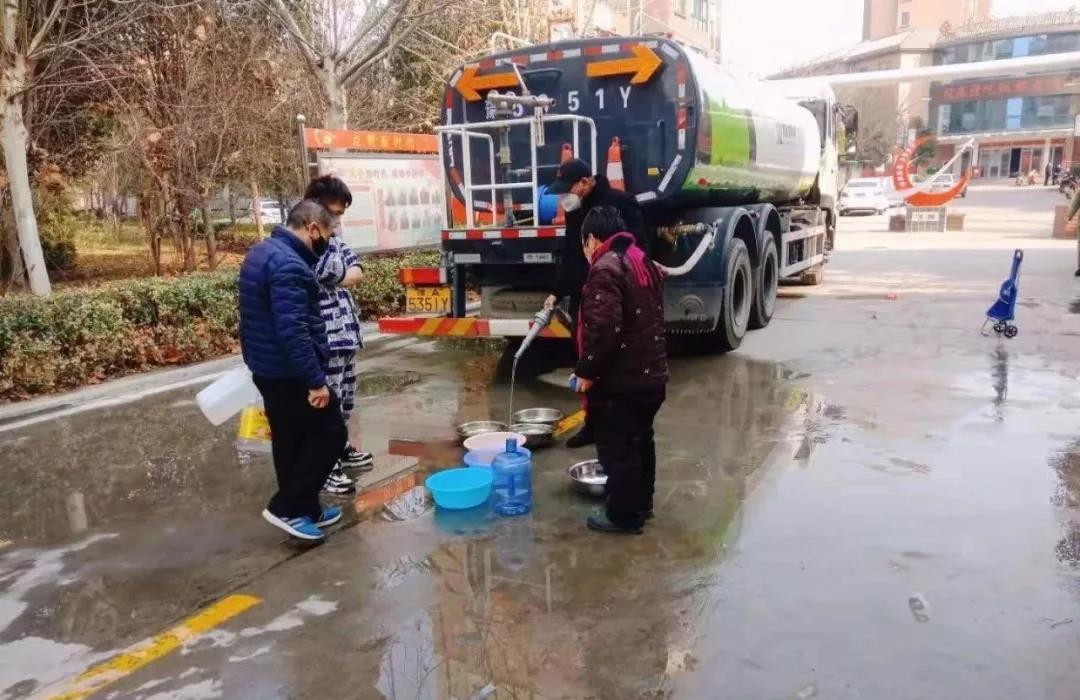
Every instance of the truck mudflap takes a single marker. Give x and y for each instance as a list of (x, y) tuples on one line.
[(470, 327)]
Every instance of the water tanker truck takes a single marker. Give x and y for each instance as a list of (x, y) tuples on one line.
[(737, 181)]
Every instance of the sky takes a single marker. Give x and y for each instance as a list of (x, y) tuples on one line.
[(764, 36)]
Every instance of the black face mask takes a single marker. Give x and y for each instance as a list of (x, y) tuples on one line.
[(319, 245)]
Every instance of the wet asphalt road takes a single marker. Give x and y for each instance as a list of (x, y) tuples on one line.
[(868, 500)]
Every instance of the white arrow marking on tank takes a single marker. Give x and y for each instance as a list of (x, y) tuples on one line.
[(671, 171)]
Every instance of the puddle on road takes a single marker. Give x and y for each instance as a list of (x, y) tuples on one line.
[(381, 383), (521, 603)]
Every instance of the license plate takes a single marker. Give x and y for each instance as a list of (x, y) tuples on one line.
[(427, 300), (538, 258)]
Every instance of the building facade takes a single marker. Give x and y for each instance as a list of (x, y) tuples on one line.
[(905, 105), (882, 18), (695, 23), (1018, 124)]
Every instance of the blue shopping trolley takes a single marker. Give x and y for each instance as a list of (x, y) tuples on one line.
[(1004, 309)]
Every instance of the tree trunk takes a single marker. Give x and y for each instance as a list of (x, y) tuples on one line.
[(211, 239), (17, 278), (14, 138), (148, 216), (256, 205), (334, 91)]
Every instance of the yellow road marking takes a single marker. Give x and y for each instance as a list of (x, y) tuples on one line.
[(572, 421), (137, 656)]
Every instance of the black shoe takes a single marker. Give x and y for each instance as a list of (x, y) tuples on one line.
[(352, 458), (338, 482), (601, 523), (584, 438)]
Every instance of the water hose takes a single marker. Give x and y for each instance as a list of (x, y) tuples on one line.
[(699, 253)]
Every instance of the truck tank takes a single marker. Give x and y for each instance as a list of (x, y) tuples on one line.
[(689, 132)]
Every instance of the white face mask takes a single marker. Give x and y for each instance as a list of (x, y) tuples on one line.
[(570, 202)]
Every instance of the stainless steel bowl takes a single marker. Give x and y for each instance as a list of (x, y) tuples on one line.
[(588, 478), (537, 435), (549, 416), (479, 427)]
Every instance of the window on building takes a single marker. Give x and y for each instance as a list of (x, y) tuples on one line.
[(680, 8), (1012, 114), (1032, 45), (905, 20), (701, 10), (1014, 110)]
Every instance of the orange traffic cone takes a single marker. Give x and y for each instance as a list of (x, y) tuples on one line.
[(614, 166), (567, 154)]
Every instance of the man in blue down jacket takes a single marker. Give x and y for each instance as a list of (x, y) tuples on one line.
[(283, 340)]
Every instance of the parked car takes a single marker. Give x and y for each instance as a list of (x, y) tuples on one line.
[(944, 182), (271, 211), (864, 195)]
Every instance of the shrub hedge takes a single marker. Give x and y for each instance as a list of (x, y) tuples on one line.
[(84, 336)]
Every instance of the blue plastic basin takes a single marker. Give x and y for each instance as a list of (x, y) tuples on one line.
[(457, 489)]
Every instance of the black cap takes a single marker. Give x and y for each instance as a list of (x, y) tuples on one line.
[(569, 174)]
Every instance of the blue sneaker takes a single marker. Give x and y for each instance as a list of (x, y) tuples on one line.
[(301, 528), (330, 515)]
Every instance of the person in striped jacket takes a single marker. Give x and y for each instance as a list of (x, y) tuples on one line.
[(338, 269)]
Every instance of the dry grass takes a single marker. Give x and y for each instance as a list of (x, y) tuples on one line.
[(106, 254)]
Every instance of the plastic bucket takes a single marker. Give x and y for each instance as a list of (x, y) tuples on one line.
[(227, 396), (458, 489)]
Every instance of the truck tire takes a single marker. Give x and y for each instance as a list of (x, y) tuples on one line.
[(766, 281), (738, 298)]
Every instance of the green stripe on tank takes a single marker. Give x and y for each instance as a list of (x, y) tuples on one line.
[(730, 137)]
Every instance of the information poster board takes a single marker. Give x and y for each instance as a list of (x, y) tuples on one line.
[(398, 199)]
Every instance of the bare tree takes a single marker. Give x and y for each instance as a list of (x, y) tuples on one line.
[(37, 34), (341, 40), (198, 84)]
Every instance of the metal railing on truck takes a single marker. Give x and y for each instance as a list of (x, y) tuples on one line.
[(467, 132)]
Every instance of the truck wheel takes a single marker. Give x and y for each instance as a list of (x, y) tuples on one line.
[(766, 280), (738, 298)]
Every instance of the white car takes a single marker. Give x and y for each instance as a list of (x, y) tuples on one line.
[(864, 195), (270, 210), (943, 182)]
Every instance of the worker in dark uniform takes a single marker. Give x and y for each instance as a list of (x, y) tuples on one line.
[(580, 192)]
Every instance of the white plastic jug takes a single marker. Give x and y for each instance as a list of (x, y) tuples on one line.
[(228, 395)]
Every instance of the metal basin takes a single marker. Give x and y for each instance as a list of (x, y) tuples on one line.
[(549, 416), (537, 435), (588, 478), (479, 427)]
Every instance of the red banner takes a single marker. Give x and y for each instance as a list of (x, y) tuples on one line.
[(377, 141), (999, 89)]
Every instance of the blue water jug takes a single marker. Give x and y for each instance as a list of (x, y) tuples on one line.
[(511, 490)]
